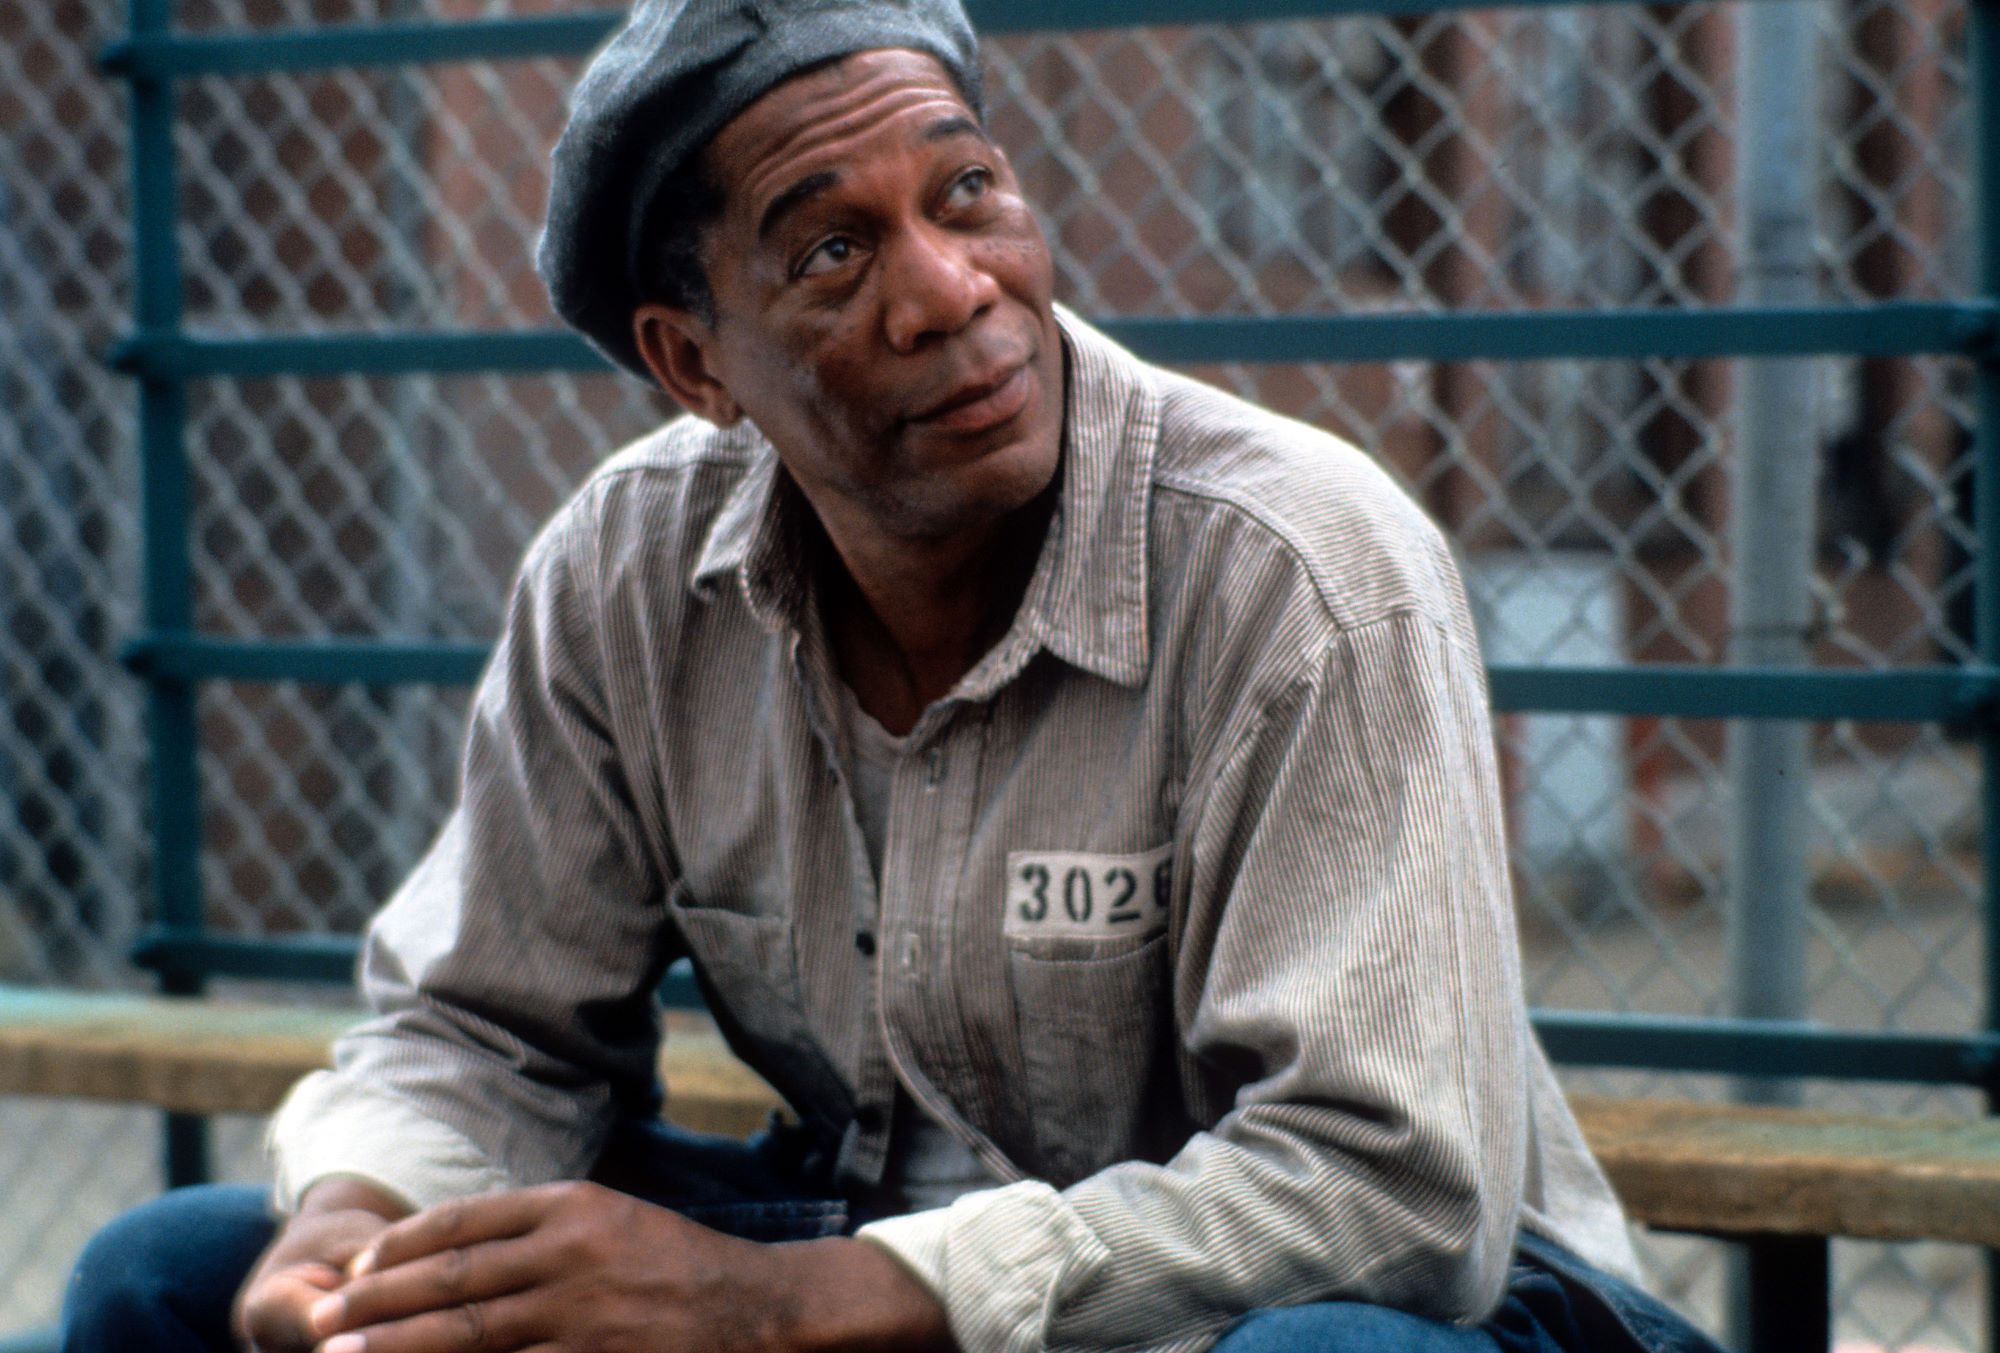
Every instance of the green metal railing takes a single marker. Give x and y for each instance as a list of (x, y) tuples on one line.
[(173, 658)]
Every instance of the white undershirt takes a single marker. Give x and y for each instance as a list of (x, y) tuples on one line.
[(927, 1166)]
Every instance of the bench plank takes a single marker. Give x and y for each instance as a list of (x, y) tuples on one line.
[(212, 1056), (1735, 1169), (1715, 1168), (195, 1056)]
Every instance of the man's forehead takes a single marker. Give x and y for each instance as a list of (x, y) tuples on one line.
[(811, 122)]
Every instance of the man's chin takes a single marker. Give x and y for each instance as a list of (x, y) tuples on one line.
[(978, 493)]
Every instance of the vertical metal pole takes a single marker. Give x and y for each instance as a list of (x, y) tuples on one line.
[(1774, 532), (1788, 1286), (1776, 484), (1983, 22), (413, 504), (169, 584)]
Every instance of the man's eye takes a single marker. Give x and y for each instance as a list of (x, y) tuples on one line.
[(969, 188), (827, 255)]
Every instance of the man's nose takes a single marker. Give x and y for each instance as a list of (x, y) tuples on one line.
[(936, 286)]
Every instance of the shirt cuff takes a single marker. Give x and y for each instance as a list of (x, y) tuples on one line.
[(328, 1127), (999, 1261)]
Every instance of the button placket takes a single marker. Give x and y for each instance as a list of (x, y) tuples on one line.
[(882, 1072), (940, 818), (911, 828), (910, 868)]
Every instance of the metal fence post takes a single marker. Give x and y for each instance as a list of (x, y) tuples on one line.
[(1773, 530), (1772, 517), (165, 510), (1983, 43)]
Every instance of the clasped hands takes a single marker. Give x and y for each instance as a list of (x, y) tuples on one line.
[(573, 1267)]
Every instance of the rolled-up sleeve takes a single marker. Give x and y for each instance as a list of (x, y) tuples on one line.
[(1348, 972), (512, 974)]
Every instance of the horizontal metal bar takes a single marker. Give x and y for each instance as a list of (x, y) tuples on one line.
[(187, 356), (337, 46), (312, 661), (1886, 330), (1908, 695), (284, 958), (509, 39), (313, 958), (1765, 1048), (1911, 695)]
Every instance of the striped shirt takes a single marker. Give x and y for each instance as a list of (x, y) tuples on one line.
[(926, 1165), (1193, 921)]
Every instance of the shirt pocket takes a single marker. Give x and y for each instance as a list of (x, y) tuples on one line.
[(1096, 1044), (748, 970)]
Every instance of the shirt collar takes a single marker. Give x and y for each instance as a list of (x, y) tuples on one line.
[(756, 539), (1086, 602), (1088, 596)]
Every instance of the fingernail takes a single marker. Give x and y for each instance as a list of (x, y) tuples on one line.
[(345, 1343), (363, 1265), (327, 1311)]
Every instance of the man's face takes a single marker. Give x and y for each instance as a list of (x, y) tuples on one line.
[(883, 301)]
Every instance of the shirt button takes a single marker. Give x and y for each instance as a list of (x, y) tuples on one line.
[(864, 940), (869, 1119)]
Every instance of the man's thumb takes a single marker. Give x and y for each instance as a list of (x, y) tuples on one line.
[(277, 1306)]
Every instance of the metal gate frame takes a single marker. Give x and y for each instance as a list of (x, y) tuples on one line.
[(173, 658)]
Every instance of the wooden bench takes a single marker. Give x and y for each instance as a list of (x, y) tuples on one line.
[(210, 1056), (1783, 1180)]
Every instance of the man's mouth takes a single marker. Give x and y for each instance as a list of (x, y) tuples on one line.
[(981, 404)]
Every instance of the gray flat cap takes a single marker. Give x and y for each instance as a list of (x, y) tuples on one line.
[(654, 95)]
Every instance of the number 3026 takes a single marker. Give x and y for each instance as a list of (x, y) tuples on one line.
[(1109, 895)]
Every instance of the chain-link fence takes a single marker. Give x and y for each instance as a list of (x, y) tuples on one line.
[(1564, 157)]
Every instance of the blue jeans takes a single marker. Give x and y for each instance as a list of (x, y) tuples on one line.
[(162, 1276), (1555, 1303)]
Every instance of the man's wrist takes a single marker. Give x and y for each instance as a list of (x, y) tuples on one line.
[(850, 1295), (351, 1193)]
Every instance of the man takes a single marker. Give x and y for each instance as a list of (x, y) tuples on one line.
[(1073, 786)]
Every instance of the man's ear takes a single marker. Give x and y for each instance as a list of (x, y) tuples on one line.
[(674, 344)]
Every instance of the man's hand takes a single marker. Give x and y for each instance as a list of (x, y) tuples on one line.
[(309, 1258), (579, 1267)]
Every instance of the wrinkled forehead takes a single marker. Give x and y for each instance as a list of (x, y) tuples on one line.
[(836, 111)]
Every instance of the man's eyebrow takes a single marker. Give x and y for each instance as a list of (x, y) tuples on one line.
[(794, 197), (946, 128), (812, 185)]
